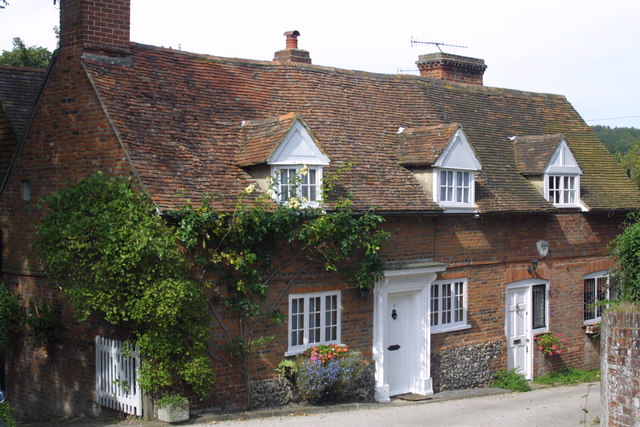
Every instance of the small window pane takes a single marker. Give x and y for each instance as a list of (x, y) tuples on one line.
[(539, 306), (589, 299), (434, 305)]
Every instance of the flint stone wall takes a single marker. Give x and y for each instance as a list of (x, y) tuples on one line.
[(465, 367)]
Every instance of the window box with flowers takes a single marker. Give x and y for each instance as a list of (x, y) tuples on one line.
[(550, 344)]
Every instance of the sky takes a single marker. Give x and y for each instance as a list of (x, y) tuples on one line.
[(586, 50)]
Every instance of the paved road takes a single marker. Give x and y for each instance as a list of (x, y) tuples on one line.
[(558, 406)]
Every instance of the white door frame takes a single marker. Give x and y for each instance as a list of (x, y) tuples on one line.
[(416, 283), (528, 285)]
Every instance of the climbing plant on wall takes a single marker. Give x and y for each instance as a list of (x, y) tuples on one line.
[(104, 243)]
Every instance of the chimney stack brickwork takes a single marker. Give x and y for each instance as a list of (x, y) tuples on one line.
[(291, 53), (96, 25), (455, 68)]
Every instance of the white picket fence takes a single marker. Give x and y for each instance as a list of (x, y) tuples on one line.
[(117, 367)]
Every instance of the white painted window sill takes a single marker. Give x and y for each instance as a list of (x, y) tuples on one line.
[(450, 329)]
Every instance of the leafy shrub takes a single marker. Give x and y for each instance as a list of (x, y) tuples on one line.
[(43, 318), (569, 376), (171, 400), (510, 380), (10, 316), (287, 368), (325, 372), (5, 415)]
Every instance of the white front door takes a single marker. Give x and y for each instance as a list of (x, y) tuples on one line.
[(398, 349), (518, 330)]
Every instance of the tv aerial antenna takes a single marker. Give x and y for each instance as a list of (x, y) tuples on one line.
[(436, 44)]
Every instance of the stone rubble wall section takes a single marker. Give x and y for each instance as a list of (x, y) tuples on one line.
[(465, 367)]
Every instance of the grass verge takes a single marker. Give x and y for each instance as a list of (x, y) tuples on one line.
[(570, 376)]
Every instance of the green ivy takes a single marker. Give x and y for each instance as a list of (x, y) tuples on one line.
[(10, 317), (626, 250), (103, 243), (43, 319)]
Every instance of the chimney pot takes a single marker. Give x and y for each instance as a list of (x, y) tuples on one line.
[(292, 39), (291, 53)]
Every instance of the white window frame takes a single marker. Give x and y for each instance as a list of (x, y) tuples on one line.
[(603, 274), (305, 329), (563, 191), (437, 302), (276, 173), (456, 187)]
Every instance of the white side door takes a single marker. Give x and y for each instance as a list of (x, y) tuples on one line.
[(397, 345), (518, 331)]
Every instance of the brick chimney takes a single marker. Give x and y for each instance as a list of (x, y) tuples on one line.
[(454, 68), (100, 26), (291, 53)]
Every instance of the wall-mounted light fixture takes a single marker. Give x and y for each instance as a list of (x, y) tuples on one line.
[(543, 248), (533, 266)]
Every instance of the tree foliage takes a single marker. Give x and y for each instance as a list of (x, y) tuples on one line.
[(617, 140), (105, 246), (626, 250), (26, 56)]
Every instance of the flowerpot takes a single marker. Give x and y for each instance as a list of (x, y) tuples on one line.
[(174, 413)]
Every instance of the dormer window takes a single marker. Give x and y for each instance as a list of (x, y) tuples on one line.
[(562, 189), (284, 157), (299, 183), (562, 178), (296, 168), (456, 167), (456, 187)]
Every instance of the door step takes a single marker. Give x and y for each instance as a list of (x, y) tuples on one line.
[(413, 397)]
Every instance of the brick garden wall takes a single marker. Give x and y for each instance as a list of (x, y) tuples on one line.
[(620, 383)]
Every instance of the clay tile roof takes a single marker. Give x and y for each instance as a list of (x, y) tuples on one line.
[(421, 146), (534, 151), (257, 139), (19, 89), (178, 114)]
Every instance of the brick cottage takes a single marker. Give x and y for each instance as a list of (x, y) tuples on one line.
[(500, 203)]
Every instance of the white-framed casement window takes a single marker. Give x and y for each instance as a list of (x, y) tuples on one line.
[(448, 302), (596, 290), (456, 188), (299, 183), (562, 190), (314, 318)]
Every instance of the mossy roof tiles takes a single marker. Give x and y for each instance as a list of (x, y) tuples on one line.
[(180, 114), (19, 89)]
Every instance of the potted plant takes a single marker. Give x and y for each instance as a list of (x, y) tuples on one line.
[(173, 408)]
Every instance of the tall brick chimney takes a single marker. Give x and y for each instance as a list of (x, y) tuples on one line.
[(454, 68), (101, 26), (291, 53)]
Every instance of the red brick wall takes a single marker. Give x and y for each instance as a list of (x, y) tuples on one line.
[(620, 385), (70, 138), (90, 22)]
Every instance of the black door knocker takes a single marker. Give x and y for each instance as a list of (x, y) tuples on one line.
[(394, 314)]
